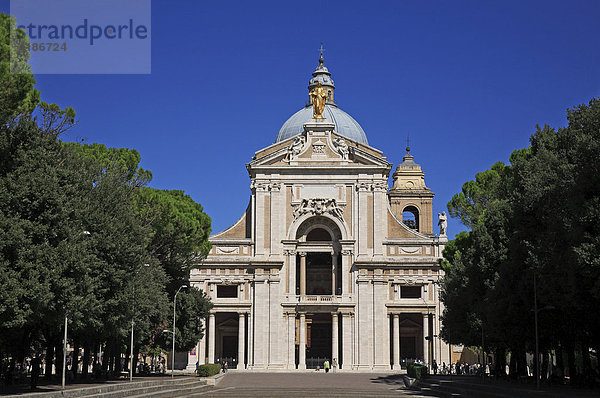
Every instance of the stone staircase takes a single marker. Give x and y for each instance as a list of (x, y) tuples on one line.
[(167, 387)]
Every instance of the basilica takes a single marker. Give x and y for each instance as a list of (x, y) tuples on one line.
[(327, 261)]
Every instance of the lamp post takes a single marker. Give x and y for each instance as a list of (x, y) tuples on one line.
[(64, 364), (131, 354), (174, 302)]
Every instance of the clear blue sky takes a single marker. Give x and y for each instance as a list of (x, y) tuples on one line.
[(468, 80)]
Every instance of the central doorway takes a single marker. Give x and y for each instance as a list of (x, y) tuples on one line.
[(318, 340)]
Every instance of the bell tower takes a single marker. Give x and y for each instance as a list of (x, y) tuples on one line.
[(323, 76), (410, 199)]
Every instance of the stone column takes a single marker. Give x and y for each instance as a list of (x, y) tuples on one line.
[(241, 341), (396, 332), (302, 273), (347, 345), (250, 339), (211, 337), (291, 340), (335, 352), (302, 343), (426, 342), (333, 273)]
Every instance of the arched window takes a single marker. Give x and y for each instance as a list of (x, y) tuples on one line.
[(329, 96), (318, 235), (410, 217)]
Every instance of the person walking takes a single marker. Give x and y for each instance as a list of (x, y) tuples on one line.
[(326, 366), (334, 364)]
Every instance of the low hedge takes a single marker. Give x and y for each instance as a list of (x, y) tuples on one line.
[(416, 371), (210, 369)]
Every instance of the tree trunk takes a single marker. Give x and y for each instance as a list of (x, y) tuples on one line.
[(512, 370), (571, 361), (560, 363), (117, 351), (86, 360), (75, 360), (49, 359), (136, 353), (522, 363), (126, 367), (500, 365), (587, 363), (58, 354), (544, 369), (105, 360)]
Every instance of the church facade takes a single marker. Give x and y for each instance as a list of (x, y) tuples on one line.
[(327, 261)]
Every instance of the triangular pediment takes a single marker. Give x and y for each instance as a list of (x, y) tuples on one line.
[(325, 149)]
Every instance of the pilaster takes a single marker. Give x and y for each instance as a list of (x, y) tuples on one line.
[(211, 337), (364, 330), (396, 332), (291, 340), (381, 324), (347, 341), (302, 342), (241, 340)]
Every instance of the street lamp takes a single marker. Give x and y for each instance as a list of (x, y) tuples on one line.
[(173, 358), (64, 364), (132, 324)]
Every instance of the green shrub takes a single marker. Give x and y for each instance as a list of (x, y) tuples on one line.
[(208, 370), (416, 371)]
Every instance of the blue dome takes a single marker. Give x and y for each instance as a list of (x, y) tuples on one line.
[(344, 124)]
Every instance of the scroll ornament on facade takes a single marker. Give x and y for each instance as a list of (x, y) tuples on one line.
[(318, 207)]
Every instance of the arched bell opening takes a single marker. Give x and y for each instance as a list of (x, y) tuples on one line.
[(410, 217)]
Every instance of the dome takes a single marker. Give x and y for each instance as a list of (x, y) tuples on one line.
[(344, 124)]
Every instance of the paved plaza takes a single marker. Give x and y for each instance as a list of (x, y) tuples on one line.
[(376, 385), (309, 384)]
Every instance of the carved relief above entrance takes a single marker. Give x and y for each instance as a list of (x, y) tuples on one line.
[(317, 207)]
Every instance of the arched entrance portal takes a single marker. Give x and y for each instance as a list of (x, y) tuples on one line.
[(317, 280), (317, 263)]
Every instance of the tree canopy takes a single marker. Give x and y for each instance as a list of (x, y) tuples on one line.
[(534, 235), (82, 236)]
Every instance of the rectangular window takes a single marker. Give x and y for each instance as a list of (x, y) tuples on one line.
[(410, 291), (227, 291)]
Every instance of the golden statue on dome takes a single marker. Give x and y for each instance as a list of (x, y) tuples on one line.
[(318, 97)]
